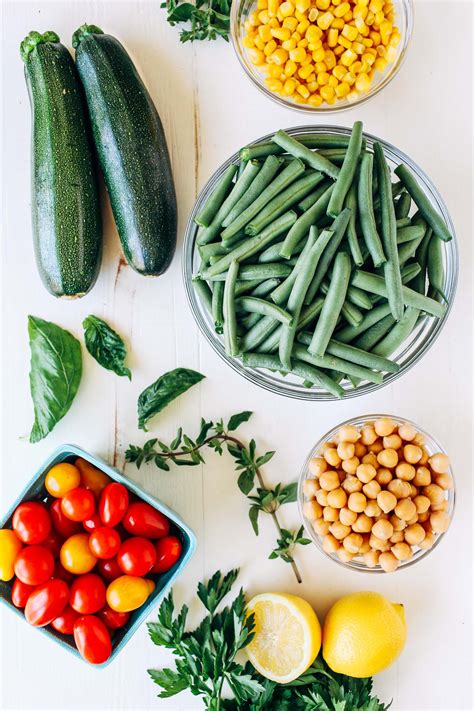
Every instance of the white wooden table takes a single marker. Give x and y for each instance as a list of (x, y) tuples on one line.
[(209, 110)]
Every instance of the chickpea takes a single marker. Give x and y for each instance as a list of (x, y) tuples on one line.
[(439, 521), (353, 542), (407, 432), (388, 562), (412, 453), (370, 458), (330, 544), (345, 450), (427, 541), (382, 529), (405, 471), (360, 449), (445, 481), (371, 558), (401, 489), (310, 487), (366, 472), (393, 441), (357, 502), (413, 520), (384, 427), (384, 476), (371, 489), (363, 524), (419, 439), (387, 458), (348, 433), (365, 547), (398, 523), (312, 510), (372, 509), (422, 504), (414, 534), (439, 463), (327, 445), (332, 457), (350, 465), (321, 527), (402, 551), (329, 480), (443, 506), (352, 484), (387, 501), (405, 509), (339, 531), (378, 544), (347, 517), (376, 447), (322, 497), (344, 555), (413, 491), (342, 475), (422, 517), (422, 477), (337, 498), (397, 537), (435, 493), (317, 466), (368, 435), (330, 514), (424, 457)]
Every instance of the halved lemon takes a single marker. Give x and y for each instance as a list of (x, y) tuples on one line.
[(287, 636)]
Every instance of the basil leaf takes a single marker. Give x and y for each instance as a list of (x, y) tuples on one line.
[(236, 420), (163, 391), (56, 369), (105, 345)]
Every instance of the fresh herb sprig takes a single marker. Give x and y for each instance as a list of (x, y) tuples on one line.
[(205, 661), (184, 451), (209, 19)]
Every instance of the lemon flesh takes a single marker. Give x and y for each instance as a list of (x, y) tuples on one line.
[(287, 636), (363, 634)]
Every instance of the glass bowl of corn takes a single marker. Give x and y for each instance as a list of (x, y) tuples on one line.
[(376, 493), (321, 55)]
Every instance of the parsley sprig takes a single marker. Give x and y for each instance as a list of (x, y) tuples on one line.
[(209, 19)]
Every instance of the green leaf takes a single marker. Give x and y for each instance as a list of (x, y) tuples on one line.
[(264, 459), (105, 345), (163, 391), (236, 420), (170, 681), (55, 374), (213, 592), (245, 481), (253, 516)]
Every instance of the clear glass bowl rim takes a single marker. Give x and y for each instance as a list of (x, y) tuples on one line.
[(432, 326), (432, 445), (386, 78)]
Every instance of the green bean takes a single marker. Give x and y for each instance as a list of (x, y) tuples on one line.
[(402, 206), (436, 266), (398, 334), (304, 222), (249, 321), (335, 155), (373, 334), (346, 174), (421, 257), (281, 294), (354, 355), (349, 333), (330, 362), (307, 316), (255, 305), (211, 250), (242, 165), (257, 271), (258, 333), (397, 189), (252, 245), (338, 227), (352, 238), (208, 211), (314, 140), (263, 178), (239, 237), (407, 234), (217, 306), (403, 222), (354, 296), (244, 287), (298, 150), (265, 287), (313, 197), (351, 314), (408, 250), (377, 285), (204, 293), (366, 210), (423, 203), (282, 180), (272, 253), (283, 201), (393, 278), (230, 320), (240, 188), (332, 305)]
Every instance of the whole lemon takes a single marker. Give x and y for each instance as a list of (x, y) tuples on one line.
[(363, 634)]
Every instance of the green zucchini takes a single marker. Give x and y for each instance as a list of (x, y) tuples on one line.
[(132, 150), (67, 223)]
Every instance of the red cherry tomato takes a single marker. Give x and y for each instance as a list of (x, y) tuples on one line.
[(46, 602), (78, 504), (31, 522), (63, 525), (54, 542), (61, 573), (142, 519), (168, 552), (92, 523), (87, 594), (112, 619), (21, 592), (34, 565), (92, 639), (64, 623), (113, 504), (109, 569), (104, 542), (136, 556)]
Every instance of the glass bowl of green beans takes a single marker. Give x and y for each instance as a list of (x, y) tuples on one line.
[(264, 282)]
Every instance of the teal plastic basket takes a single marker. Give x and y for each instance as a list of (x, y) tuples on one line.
[(36, 491)]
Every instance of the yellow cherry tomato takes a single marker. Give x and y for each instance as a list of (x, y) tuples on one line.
[(127, 593), (91, 477), (151, 585), (62, 478), (10, 546), (76, 555)]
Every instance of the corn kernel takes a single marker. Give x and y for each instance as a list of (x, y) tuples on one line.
[(298, 99), (352, 96), (348, 57), (274, 84), (303, 43), (332, 81), (273, 23), (320, 67), (290, 68), (291, 23), (313, 14), (370, 19), (273, 7), (380, 64), (380, 50), (298, 54), (264, 17), (322, 78), (281, 33), (363, 82), (302, 26), (375, 36), (342, 9), (350, 32), (304, 72), (287, 9), (274, 71), (256, 56), (262, 4), (312, 85), (313, 34), (265, 33), (324, 21), (347, 17), (259, 43), (349, 78), (375, 5), (279, 56), (315, 100), (248, 42), (339, 71), (270, 47), (358, 47), (289, 44), (311, 79), (327, 92), (323, 4), (338, 50), (313, 46), (289, 86), (303, 91), (330, 59), (368, 58), (342, 90), (319, 55), (303, 5), (379, 17), (360, 11), (332, 37), (296, 36), (344, 42), (361, 26), (300, 16), (356, 67), (395, 39), (338, 23)]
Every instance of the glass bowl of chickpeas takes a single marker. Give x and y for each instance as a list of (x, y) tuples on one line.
[(376, 493), (321, 55)]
